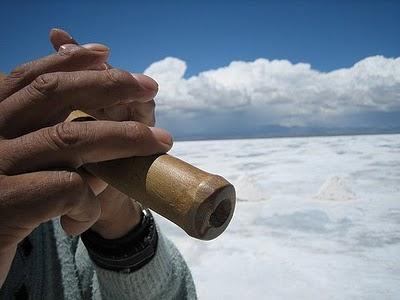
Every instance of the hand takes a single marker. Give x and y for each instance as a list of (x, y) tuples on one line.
[(119, 212), (39, 153)]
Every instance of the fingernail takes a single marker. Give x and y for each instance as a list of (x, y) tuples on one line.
[(146, 81), (96, 47), (163, 136), (96, 185), (68, 47), (58, 30)]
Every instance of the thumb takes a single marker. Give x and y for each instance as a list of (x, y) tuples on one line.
[(59, 37)]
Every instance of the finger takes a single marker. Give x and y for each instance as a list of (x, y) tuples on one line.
[(69, 58), (97, 185), (143, 113), (59, 37), (111, 200), (140, 112), (114, 203), (73, 144), (93, 47), (41, 196), (51, 97)]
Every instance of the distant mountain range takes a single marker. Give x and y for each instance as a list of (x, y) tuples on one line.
[(273, 131)]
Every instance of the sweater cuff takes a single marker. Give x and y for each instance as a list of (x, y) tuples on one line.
[(128, 253), (159, 279)]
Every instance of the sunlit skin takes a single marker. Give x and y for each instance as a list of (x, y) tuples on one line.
[(40, 153)]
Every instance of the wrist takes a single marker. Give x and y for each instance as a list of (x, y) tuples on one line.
[(125, 219), (128, 253)]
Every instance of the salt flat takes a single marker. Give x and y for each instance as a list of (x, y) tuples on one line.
[(316, 218)]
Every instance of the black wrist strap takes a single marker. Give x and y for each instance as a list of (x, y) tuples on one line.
[(128, 253)]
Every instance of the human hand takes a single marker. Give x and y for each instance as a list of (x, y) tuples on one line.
[(40, 154), (119, 212)]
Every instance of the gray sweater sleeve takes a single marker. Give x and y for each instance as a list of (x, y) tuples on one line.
[(166, 276)]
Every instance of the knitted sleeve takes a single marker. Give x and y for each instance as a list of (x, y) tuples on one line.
[(166, 276)]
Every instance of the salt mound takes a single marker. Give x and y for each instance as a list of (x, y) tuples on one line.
[(334, 189), (247, 189)]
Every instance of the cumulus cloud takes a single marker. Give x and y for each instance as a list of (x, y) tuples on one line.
[(273, 92)]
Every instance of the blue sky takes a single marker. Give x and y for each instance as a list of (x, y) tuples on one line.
[(207, 35)]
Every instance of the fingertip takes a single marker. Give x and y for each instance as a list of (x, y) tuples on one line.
[(96, 185), (96, 47), (60, 37), (53, 31), (146, 82), (61, 32), (101, 50), (163, 136), (73, 227)]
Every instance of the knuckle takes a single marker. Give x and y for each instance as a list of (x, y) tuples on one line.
[(44, 84), (68, 137), (19, 73), (64, 135), (18, 77), (116, 76), (71, 51)]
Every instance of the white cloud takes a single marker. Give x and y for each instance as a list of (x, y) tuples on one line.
[(276, 92)]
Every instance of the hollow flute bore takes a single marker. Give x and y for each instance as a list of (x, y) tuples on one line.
[(200, 203)]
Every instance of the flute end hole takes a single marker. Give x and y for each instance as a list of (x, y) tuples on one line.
[(221, 214)]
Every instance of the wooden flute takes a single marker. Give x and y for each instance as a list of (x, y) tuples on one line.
[(200, 203)]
